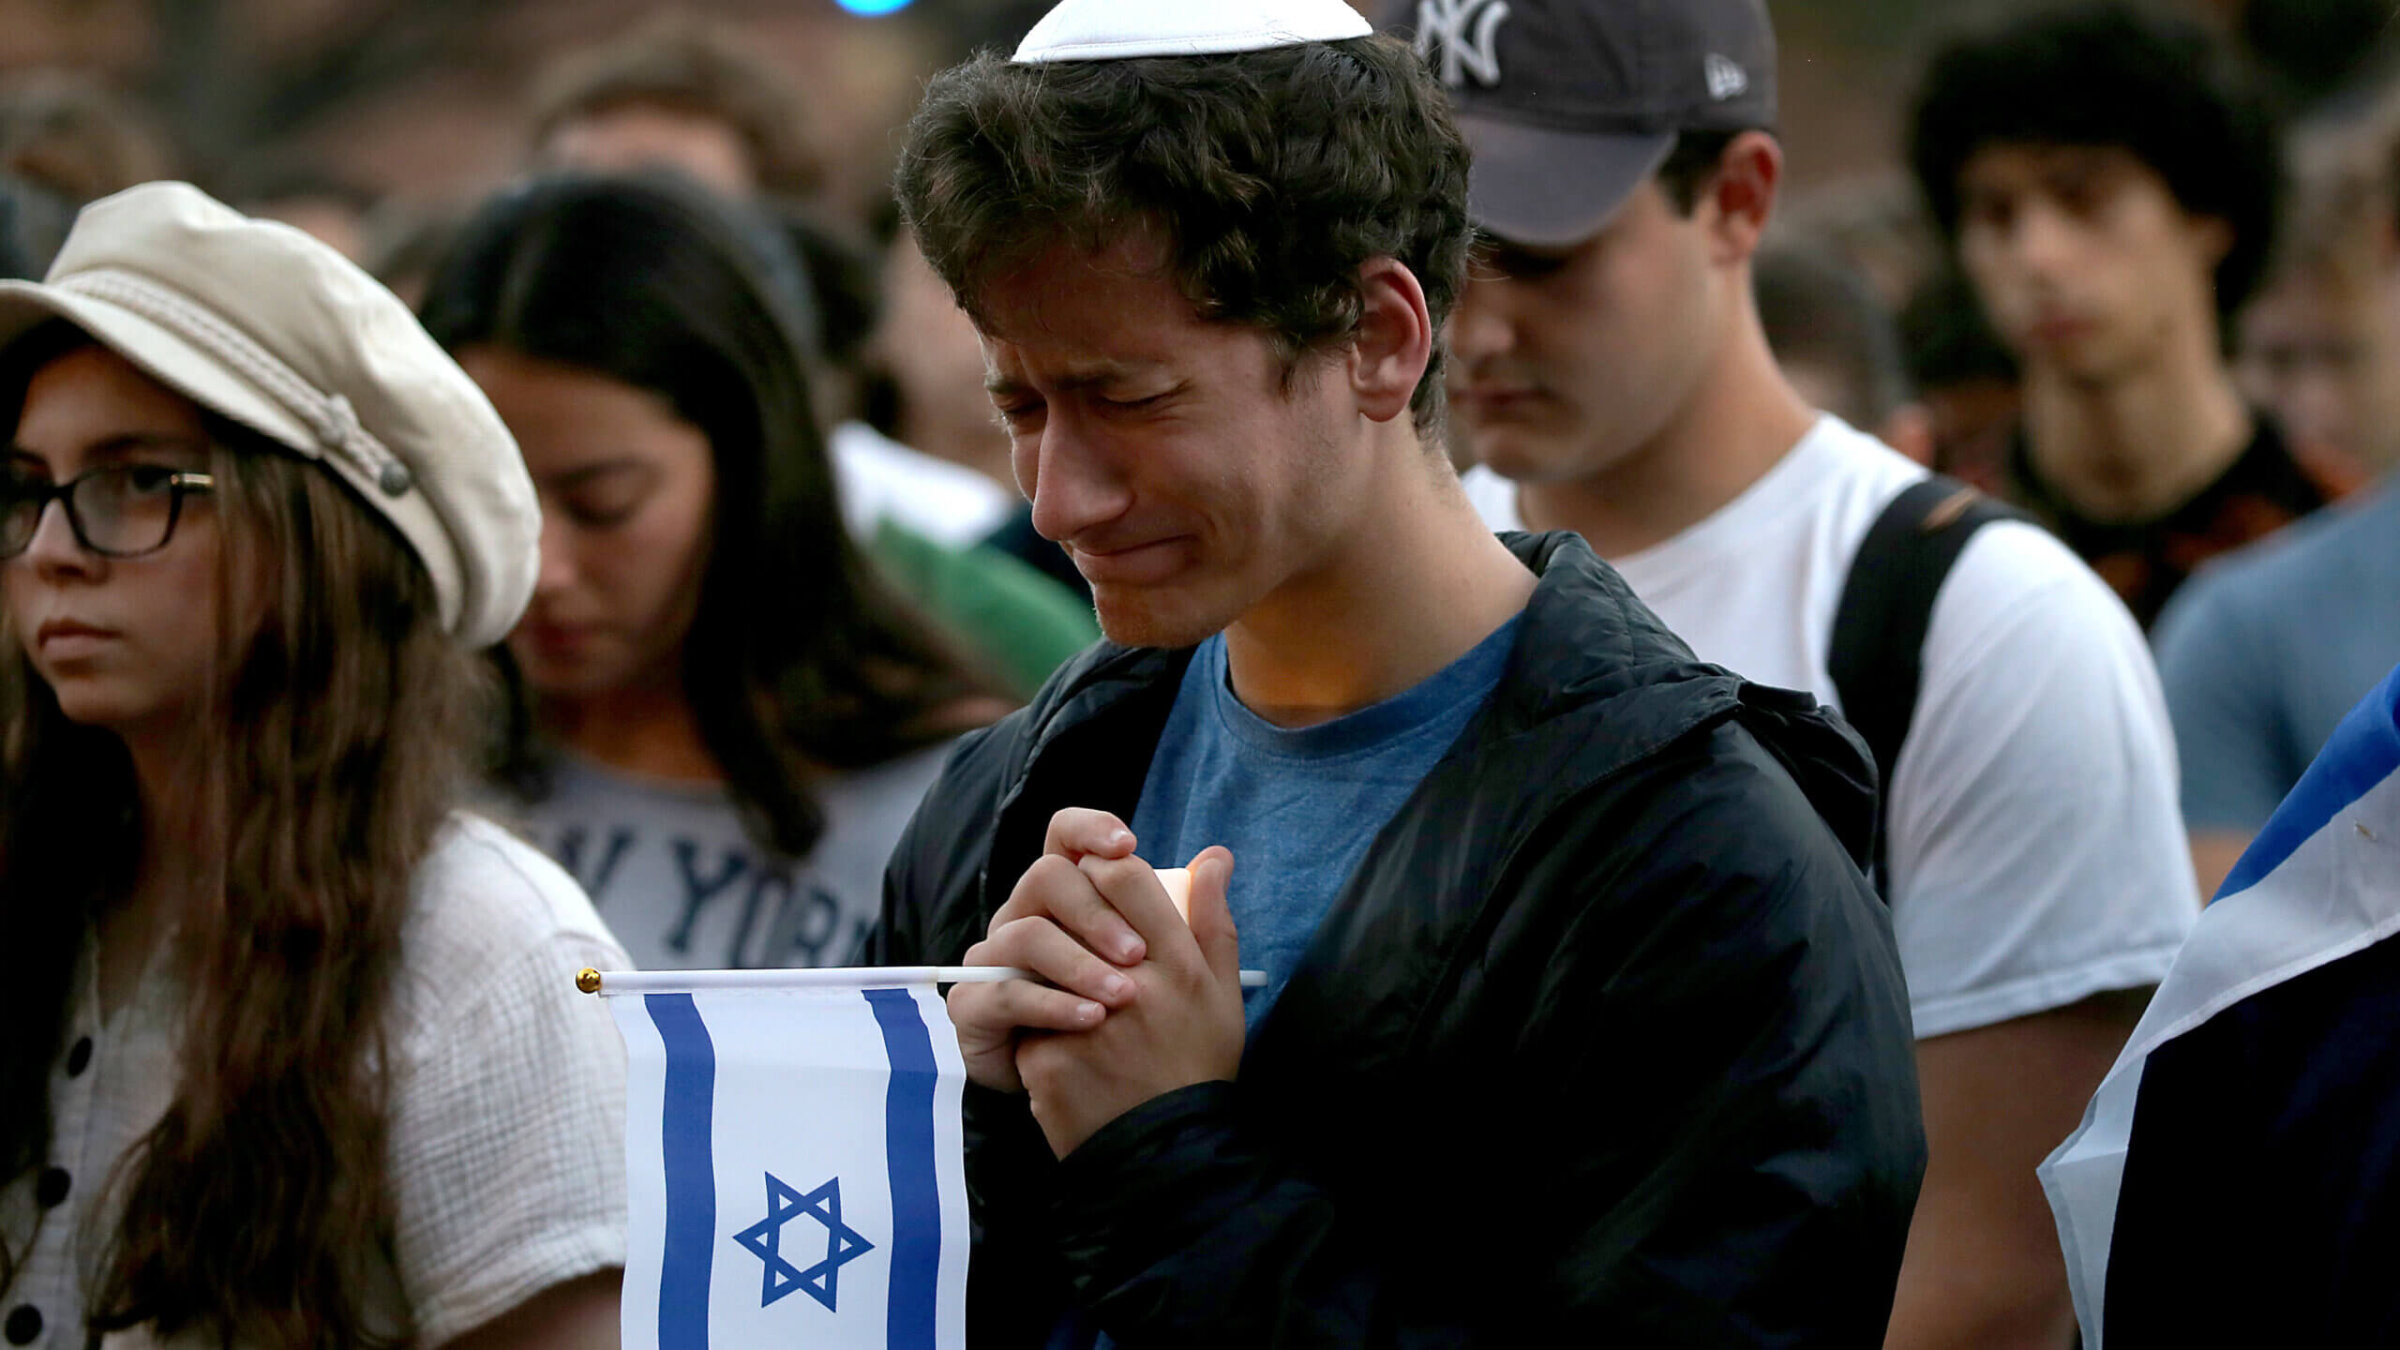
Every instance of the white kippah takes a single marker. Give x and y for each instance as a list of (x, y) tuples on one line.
[(1114, 30)]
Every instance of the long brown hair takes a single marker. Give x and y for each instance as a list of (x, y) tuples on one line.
[(800, 659), (255, 1208)]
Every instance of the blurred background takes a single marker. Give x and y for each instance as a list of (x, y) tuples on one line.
[(380, 124), (424, 101)]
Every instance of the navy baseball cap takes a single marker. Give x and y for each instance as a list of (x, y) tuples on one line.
[(1569, 104)]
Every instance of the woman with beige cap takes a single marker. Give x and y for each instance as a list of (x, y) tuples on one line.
[(289, 1051)]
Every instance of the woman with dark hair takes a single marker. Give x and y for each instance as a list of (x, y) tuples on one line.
[(730, 716), (289, 1052)]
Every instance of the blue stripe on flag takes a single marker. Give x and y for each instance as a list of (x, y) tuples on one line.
[(688, 1132), (908, 1150), (2363, 751)]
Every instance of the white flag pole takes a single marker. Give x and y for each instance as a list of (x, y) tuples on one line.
[(826, 977)]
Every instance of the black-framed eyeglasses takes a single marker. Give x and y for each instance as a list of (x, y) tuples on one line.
[(116, 511)]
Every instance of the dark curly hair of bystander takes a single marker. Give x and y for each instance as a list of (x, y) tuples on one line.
[(2118, 75)]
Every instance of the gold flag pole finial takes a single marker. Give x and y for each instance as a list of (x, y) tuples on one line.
[(588, 980)]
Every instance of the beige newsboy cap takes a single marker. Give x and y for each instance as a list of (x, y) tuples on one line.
[(277, 331)]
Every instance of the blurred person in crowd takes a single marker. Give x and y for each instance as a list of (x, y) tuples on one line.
[(33, 223), (1614, 373), (923, 516), (310, 197), (884, 475), (927, 346), (2265, 651), (730, 715), (1963, 374), (1521, 876), (2318, 54), (683, 91), (2262, 654), (946, 535), (71, 133), (1837, 344), (929, 359), (1878, 228), (290, 1057), (926, 354), (409, 243), (2109, 178), (844, 270), (2319, 345)]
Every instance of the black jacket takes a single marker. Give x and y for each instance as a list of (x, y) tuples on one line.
[(1606, 1041)]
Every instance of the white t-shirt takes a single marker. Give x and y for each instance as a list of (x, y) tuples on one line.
[(683, 887), (507, 1119), (2036, 853), (876, 476)]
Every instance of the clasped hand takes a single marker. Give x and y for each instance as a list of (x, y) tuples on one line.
[(1128, 1002)]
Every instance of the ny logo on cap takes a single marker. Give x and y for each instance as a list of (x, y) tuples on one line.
[(1725, 79), (1466, 30)]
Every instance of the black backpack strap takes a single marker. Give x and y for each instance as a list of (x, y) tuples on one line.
[(1877, 655)]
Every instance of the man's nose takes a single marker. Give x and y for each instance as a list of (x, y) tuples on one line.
[(2043, 240), (1074, 482)]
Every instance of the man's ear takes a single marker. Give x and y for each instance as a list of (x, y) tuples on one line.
[(1749, 174), (1394, 340)]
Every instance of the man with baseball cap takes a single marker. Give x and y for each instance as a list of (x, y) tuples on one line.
[(1612, 376), (1579, 1020)]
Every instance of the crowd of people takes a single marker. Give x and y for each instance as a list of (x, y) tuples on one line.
[(1712, 714)]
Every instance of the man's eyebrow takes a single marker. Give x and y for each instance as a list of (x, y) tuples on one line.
[(1087, 377)]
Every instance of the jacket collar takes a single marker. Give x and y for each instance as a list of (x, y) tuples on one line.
[(1585, 638), (1587, 649)]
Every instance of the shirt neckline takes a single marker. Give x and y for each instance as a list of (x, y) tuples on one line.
[(1369, 729), (1787, 487)]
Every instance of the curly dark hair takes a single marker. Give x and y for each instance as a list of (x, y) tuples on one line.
[(1272, 175), (2118, 75)]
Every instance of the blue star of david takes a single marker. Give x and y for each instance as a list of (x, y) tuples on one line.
[(764, 1240)]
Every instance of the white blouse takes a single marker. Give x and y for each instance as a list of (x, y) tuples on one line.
[(506, 1151)]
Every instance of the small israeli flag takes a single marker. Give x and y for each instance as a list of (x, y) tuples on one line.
[(794, 1163), (2234, 1181)]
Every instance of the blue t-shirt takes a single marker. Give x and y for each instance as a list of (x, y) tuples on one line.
[(2265, 651), (1297, 807)]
